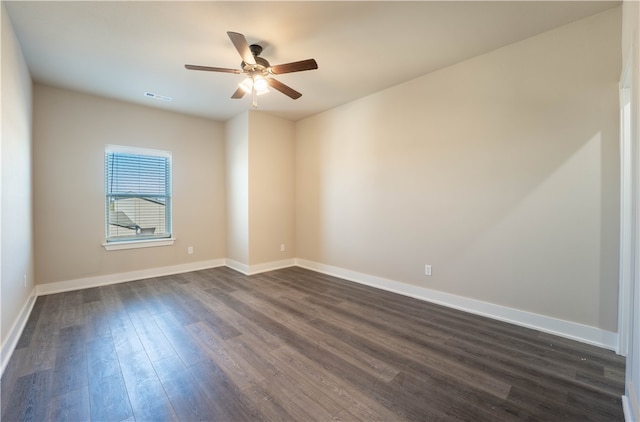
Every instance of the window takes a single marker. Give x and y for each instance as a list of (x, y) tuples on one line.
[(138, 196)]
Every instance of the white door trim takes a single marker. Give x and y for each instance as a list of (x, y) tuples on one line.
[(627, 213)]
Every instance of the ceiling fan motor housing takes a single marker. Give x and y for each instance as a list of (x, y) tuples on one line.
[(261, 66)]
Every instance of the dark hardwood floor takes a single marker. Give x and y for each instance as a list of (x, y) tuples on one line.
[(292, 345)]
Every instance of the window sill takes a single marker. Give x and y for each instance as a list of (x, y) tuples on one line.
[(136, 244)]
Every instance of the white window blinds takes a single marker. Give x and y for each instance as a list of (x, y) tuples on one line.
[(138, 193)]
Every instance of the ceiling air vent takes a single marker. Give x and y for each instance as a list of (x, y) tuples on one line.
[(157, 97)]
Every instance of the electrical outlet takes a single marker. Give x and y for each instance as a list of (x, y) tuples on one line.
[(283, 247), (427, 270), (25, 281), (190, 250)]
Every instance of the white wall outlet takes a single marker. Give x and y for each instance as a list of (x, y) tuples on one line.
[(25, 281), (427, 270), (283, 247), (190, 250)]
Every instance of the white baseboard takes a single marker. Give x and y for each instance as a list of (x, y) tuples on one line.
[(102, 280), (16, 331), (630, 405), (571, 330), (238, 266), (626, 409), (260, 268)]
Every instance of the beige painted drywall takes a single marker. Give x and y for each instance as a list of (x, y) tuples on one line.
[(237, 162), (271, 188), (16, 234), (260, 189), (501, 172), (71, 130), (630, 16)]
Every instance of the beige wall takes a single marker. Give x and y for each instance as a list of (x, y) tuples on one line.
[(630, 17), (16, 234), (501, 172), (70, 133), (271, 188), (237, 161), (260, 189)]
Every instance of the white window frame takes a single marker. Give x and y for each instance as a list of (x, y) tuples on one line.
[(114, 245)]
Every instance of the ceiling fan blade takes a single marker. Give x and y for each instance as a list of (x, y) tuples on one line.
[(238, 94), (241, 44), (285, 89), (308, 64), (212, 69)]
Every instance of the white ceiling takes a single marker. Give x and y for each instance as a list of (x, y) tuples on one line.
[(122, 49)]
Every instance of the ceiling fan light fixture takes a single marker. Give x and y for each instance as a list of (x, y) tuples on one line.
[(260, 84), (246, 85)]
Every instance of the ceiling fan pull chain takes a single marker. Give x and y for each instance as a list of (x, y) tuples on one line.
[(254, 94)]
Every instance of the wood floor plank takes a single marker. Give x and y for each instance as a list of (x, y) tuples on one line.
[(444, 385), (145, 391), (536, 378), (354, 356), (538, 406), (177, 305), (14, 369), (335, 387), (206, 313), (381, 369), (29, 397), (292, 345), (71, 312), (91, 295), (96, 320), (424, 360), (204, 279), (41, 351), (130, 299), (108, 397), (70, 370), (151, 336), (157, 298), (550, 369), (300, 342), (231, 404), (188, 399), (181, 341), (454, 401), (297, 401), (70, 406), (234, 366), (251, 351), (218, 301), (271, 408), (124, 336), (32, 322)]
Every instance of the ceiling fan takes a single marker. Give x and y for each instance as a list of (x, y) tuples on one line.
[(258, 70)]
